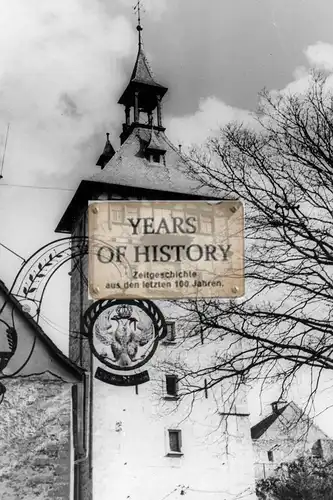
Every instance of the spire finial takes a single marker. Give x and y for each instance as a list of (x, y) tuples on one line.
[(137, 9)]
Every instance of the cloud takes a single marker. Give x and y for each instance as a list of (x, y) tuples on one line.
[(60, 76), (212, 113), (320, 56), (210, 116)]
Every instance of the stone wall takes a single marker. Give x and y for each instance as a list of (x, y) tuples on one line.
[(35, 420)]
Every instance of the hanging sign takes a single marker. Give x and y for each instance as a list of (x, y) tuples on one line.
[(123, 337), (166, 250)]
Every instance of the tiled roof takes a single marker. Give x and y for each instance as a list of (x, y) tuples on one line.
[(129, 166), (142, 72)]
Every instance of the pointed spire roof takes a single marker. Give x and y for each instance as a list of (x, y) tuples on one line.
[(142, 74)]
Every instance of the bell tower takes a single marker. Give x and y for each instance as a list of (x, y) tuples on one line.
[(142, 98), (141, 444)]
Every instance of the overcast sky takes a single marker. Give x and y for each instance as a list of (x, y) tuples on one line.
[(64, 64)]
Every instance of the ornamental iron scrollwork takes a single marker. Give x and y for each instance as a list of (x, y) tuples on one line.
[(29, 288)]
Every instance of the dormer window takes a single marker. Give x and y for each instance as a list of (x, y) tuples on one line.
[(154, 157), (155, 149)]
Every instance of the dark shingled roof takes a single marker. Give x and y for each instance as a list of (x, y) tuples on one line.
[(142, 72), (261, 427), (142, 76), (130, 173), (130, 167)]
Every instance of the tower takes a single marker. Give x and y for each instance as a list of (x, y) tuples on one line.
[(143, 95), (142, 442)]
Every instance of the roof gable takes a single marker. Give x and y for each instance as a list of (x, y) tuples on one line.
[(289, 422), (261, 427), (35, 352)]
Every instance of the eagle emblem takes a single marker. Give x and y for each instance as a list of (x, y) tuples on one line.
[(127, 338)]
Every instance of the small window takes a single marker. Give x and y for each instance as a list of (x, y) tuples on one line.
[(117, 215), (206, 225), (270, 456), (171, 385), (175, 444), (154, 157), (171, 331)]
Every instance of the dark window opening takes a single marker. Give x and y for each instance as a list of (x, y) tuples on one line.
[(175, 441), (270, 456), (171, 331), (156, 158), (171, 385)]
